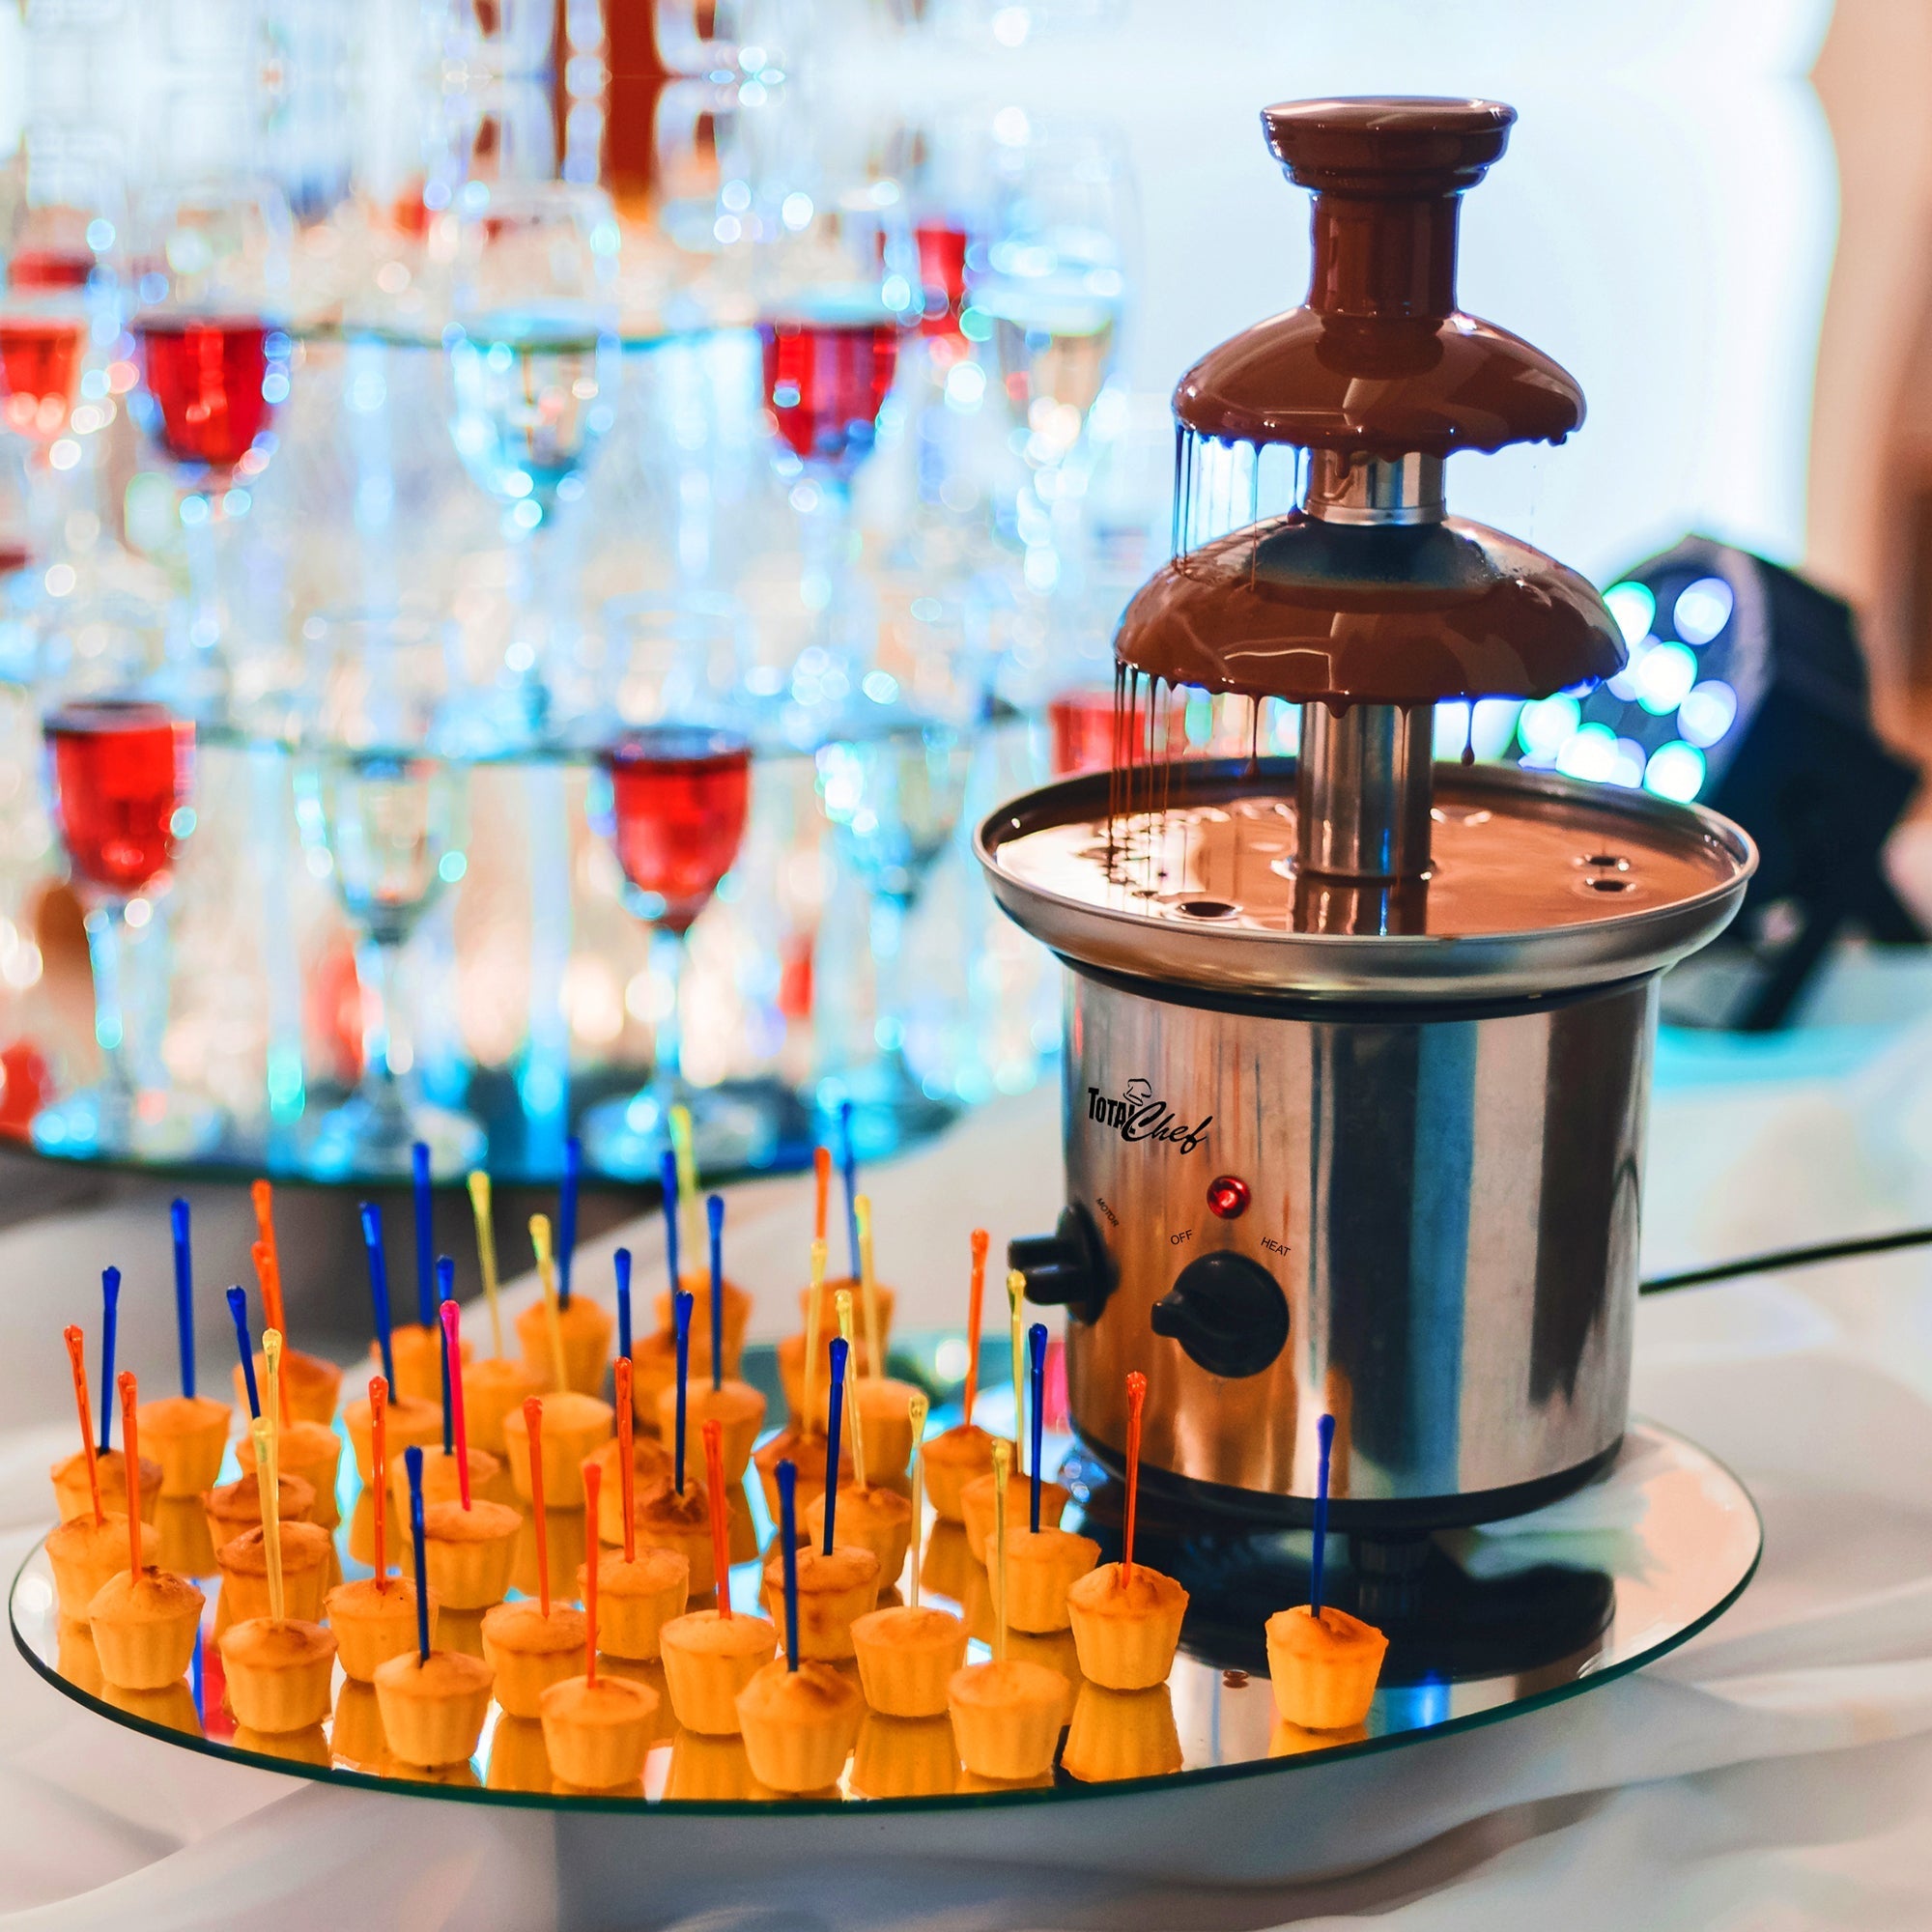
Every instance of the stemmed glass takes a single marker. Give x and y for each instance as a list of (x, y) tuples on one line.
[(679, 795), (532, 371), (121, 774), (211, 268), (384, 815)]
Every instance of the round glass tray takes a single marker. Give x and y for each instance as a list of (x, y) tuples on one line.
[(1484, 1625)]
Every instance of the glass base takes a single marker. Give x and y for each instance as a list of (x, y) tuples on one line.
[(889, 1109), (627, 1138), (362, 1137), (152, 1125)]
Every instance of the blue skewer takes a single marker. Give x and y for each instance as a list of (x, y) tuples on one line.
[(445, 1291), (110, 1308), (681, 1315), (1324, 1434), (848, 1170), (238, 1308), (566, 1216), (714, 1213), (834, 1416), (184, 1293), (425, 1235), (1036, 1358), (412, 1461), (667, 1176), (621, 1259), (788, 1545), (379, 1287)]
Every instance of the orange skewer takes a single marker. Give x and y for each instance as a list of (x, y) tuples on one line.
[(593, 1488), (533, 1424), (627, 1474), (75, 1353), (269, 1273), (720, 1539), (821, 1181), (379, 1454), (1136, 1398), (130, 1396), (976, 1302), (263, 1197)]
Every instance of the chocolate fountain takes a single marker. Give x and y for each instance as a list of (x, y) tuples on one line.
[(1357, 1045)]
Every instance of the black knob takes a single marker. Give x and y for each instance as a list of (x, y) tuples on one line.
[(1067, 1268), (1227, 1312)]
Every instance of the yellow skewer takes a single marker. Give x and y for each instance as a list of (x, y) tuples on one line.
[(547, 1274), (690, 1239), (486, 1252), (917, 1407), (814, 1302), (271, 1380), (267, 1477), (1002, 1470), (868, 1281), (1015, 1294), (842, 1301)]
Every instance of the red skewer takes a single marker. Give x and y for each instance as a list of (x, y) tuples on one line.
[(1136, 1396), (975, 1301), (533, 1426), (593, 1483), (627, 1474), (130, 1396), (77, 1343), (720, 1539), (379, 1455)]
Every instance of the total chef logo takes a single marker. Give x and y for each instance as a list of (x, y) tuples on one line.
[(1140, 1115)]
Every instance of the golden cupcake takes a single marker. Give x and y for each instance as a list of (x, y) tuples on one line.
[(188, 1435), (1126, 1628), (951, 1460), (869, 1518), (235, 1507), (800, 1725), (84, 1554), (708, 1769), (650, 1466), (74, 1492), (491, 1389), (1118, 1734), (737, 1318), (709, 1656), (976, 1504), (529, 1649), (665, 1520), (311, 1384), (888, 1299), (905, 1757), (1041, 1566), (1323, 1665), (885, 1412), (278, 1674), (433, 1708), (585, 1326), (907, 1658), (443, 1481), (172, 1706), (575, 1426), (636, 1599), (737, 1407), (1007, 1718), (311, 1450), (410, 1424), (834, 1589), (790, 1354), (143, 1627), (374, 1619), (470, 1552), (598, 1731), (244, 1561), (805, 1449)]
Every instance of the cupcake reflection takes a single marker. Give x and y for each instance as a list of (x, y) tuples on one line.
[(905, 1757), (1118, 1734)]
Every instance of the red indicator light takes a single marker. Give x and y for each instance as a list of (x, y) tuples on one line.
[(1227, 1197)]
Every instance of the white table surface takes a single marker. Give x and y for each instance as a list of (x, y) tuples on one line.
[(1777, 1773)]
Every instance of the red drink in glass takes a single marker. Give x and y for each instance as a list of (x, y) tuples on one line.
[(205, 374), (826, 382), (39, 364), (942, 274), (1084, 730), (38, 269), (679, 795), (122, 769)]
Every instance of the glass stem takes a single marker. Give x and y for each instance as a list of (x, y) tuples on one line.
[(106, 935), (380, 1086), (667, 961), (827, 543), (203, 572)]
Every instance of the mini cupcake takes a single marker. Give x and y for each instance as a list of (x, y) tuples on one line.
[(189, 1435), (470, 1552), (975, 1503), (418, 1354), (1126, 1635), (806, 1450), (1041, 1566), (598, 1733), (575, 1426), (491, 1389), (828, 1312), (885, 1415), (1323, 1665), (236, 1507), (708, 1659), (834, 1591), (737, 1407), (737, 1319), (442, 1480), (529, 1651), (311, 1450), (869, 1518), (907, 1658), (307, 1554), (73, 1497), (952, 1459), (799, 1726), (585, 1326), (432, 1709), (84, 1554), (278, 1674), (637, 1599), (650, 1466), (143, 1627), (1007, 1718), (311, 1385), (665, 1520), (374, 1619), (790, 1354), (408, 1424)]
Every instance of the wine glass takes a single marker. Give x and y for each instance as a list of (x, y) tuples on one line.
[(532, 372), (384, 816), (679, 795), (121, 775), (211, 262)]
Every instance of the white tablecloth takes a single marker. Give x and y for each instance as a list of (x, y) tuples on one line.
[(1776, 1774)]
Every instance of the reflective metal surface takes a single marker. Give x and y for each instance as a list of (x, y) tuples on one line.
[(1496, 1624), (1443, 1209), (1362, 790), (1353, 487)]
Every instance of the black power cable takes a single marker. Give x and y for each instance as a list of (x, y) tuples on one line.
[(1789, 1258)]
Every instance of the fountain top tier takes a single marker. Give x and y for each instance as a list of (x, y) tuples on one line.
[(1368, 592)]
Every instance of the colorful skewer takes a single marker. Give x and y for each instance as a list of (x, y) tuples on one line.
[(446, 1297), (787, 1474), (667, 1184), (455, 1420), (546, 1277), (412, 1463), (721, 1533), (1325, 1437), (627, 1474), (713, 1214), (237, 1310), (76, 1355), (425, 1221), (110, 1316), (486, 1252), (1136, 1402), (130, 1398), (533, 1424), (834, 1411), (975, 1309), (681, 1317), (685, 1149), (842, 1302), (378, 1446), (1015, 1294), (868, 1286), (916, 1407), (621, 1261), (1003, 1463), (1036, 1372), (814, 1317), (593, 1490), (566, 1216), (178, 1224), (379, 1284)]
